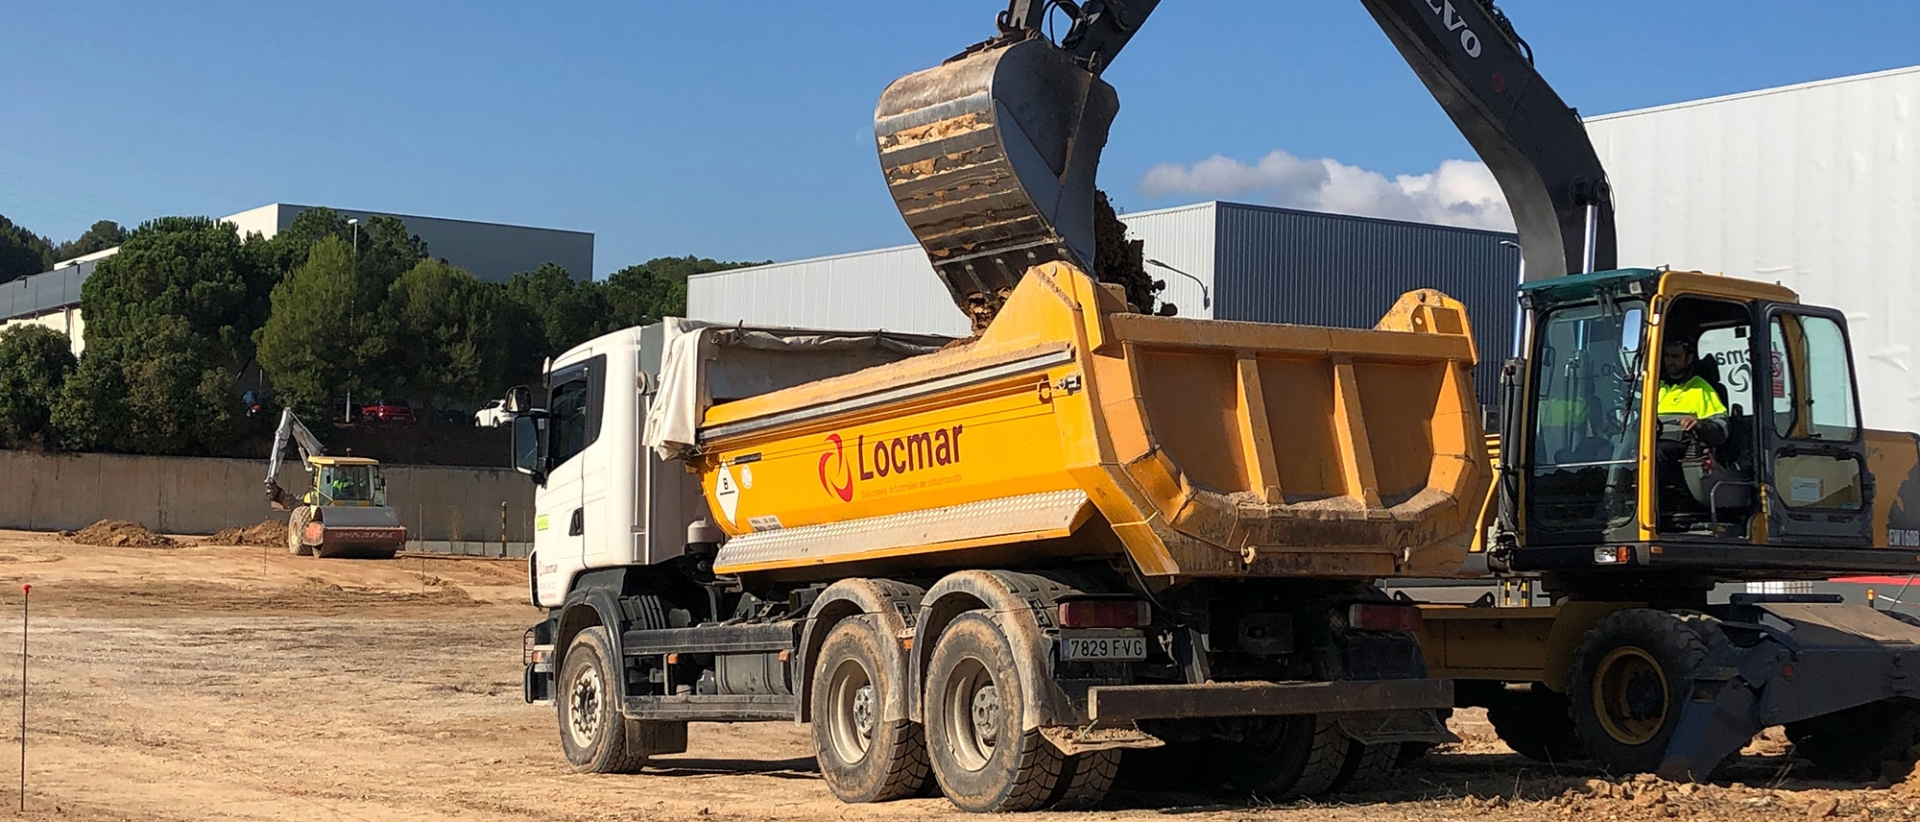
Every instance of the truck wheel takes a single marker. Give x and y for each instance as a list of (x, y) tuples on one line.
[(1085, 779), (297, 524), (983, 759), (1631, 676), (1175, 766), (864, 757), (1368, 767), (1536, 724), (1855, 742), (593, 733), (1297, 756)]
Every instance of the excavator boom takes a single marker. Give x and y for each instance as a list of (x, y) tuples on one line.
[(991, 156), (310, 447)]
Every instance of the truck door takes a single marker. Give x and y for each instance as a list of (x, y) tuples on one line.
[(560, 504), (1815, 466)]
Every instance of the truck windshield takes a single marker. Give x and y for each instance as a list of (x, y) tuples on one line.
[(1586, 417)]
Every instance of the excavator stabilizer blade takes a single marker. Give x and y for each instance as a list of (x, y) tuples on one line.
[(991, 159)]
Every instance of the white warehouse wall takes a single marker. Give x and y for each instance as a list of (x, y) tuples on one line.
[(1815, 186)]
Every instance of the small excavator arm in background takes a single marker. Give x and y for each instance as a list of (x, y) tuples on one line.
[(991, 156), (290, 428)]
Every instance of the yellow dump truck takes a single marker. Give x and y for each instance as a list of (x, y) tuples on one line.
[(999, 563)]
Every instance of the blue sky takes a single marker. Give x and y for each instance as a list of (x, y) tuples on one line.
[(740, 130)]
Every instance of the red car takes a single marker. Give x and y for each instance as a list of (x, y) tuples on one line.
[(388, 411)]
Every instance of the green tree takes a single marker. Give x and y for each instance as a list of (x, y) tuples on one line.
[(310, 346), (157, 392), (192, 268), (100, 236), (34, 364), (453, 347), (642, 294), (386, 250), (544, 312), (22, 252)]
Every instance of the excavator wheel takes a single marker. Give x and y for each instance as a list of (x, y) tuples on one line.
[(1631, 676), (297, 524), (1536, 724)]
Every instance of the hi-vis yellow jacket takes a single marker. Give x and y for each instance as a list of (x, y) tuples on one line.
[(1694, 397)]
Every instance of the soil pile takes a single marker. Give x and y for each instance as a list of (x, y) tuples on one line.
[(119, 533), (268, 534)]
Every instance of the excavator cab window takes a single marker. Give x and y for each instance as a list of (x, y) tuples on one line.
[(1815, 456), (1586, 409), (1704, 445), (347, 483)]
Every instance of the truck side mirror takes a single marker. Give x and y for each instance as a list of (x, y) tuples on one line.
[(519, 399), (530, 447)]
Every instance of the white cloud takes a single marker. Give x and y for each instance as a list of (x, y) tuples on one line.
[(1459, 192)]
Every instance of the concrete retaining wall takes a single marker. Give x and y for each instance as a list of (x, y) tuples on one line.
[(186, 495)]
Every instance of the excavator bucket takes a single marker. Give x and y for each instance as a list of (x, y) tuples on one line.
[(991, 159)]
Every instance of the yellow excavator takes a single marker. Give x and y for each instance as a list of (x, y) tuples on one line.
[(344, 511), (1625, 516)]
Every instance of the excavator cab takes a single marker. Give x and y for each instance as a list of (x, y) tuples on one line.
[(1662, 410), (347, 481)]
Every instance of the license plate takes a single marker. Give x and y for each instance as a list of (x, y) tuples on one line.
[(1103, 646)]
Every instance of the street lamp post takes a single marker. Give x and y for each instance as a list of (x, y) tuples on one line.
[(1206, 299)]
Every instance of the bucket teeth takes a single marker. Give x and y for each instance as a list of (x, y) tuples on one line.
[(991, 159)]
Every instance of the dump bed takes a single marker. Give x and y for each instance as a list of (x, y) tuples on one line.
[(1073, 426)]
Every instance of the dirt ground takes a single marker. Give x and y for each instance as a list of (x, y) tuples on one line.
[(202, 682)]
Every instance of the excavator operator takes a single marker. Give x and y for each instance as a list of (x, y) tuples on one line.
[(1689, 407)]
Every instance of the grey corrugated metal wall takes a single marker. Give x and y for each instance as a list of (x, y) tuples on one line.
[(1281, 265), (37, 294)]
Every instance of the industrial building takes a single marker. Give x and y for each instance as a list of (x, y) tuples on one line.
[(1814, 186), (491, 251), (1220, 260)]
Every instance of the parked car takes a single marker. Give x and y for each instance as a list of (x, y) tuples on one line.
[(389, 411), (494, 415)]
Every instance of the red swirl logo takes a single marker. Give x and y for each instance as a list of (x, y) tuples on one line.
[(844, 488)]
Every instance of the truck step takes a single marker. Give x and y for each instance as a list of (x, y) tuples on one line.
[(713, 639), (713, 708)]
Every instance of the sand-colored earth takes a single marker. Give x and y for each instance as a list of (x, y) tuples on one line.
[(207, 682)]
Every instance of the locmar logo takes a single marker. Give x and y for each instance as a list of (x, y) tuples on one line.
[(896, 456), (844, 488)]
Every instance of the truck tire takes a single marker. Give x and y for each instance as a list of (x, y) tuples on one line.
[(1856, 741), (593, 733), (863, 757), (984, 760), (1536, 724), (297, 524), (1175, 766), (1631, 676), (1368, 768), (1085, 780), (1299, 756)]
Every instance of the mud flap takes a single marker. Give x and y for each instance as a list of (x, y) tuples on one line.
[(1398, 726), (1788, 659)]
